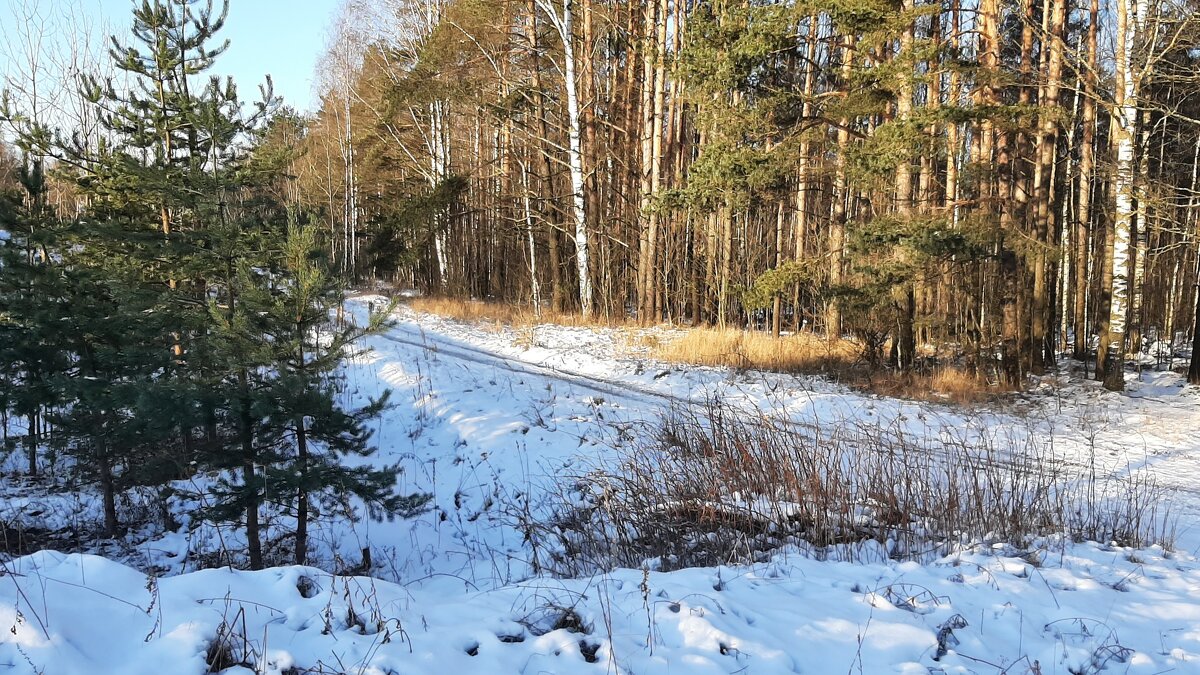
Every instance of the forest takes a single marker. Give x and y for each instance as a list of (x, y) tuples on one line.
[(999, 183), (1005, 182)]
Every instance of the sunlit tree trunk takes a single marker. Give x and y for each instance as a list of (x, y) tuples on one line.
[(841, 198), (564, 24), (1123, 130), (1087, 163), (1047, 141)]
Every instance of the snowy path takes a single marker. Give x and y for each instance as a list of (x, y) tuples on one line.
[(1151, 431), (407, 335), (1091, 429)]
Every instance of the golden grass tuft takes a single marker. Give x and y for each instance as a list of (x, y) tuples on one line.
[(743, 350), (806, 353), (960, 385), (472, 311), (942, 384)]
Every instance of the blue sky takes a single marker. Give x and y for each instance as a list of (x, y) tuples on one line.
[(284, 38)]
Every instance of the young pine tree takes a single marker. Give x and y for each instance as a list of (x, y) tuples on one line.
[(305, 439)]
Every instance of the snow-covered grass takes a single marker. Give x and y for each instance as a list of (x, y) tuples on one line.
[(500, 424), (1090, 609)]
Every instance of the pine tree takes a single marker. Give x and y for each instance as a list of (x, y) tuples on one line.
[(309, 348), (281, 333), (78, 353), (28, 357), (159, 196), (188, 326)]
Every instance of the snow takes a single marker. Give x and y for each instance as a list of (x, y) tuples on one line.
[(491, 421), (1135, 610)]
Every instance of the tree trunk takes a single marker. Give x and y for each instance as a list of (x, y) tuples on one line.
[(648, 234), (906, 340), (905, 336), (302, 493), (1047, 141), (31, 444), (564, 23), (1087, 162), (841, 198), (803, 186), (1194, 366), (557, 294), (1124, 121), (724, 270), (777, 301), (109, 495), (249, 480)]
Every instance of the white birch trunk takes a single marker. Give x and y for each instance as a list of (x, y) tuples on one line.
[(439, 170), (1125, 117), (564, 24)]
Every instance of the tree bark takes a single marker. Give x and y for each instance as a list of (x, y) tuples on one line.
[(1087, 162), (841, 198), (1047, 142), (1123, 129), (565, 25), (249, 478)]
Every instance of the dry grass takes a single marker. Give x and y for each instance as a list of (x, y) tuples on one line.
[(721, 485), (473, 311), (479, 311), (802, 353), (742, 350), (642, 341), (941, 384), (812, 354)]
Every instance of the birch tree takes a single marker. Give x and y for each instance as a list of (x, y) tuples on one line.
[(562, 19)]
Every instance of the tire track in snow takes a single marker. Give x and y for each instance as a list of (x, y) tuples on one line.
[(1074, 468), (421, 339), (472, 354)]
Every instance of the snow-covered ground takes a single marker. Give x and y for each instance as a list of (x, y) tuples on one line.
[(1088, 611), (491, 421)]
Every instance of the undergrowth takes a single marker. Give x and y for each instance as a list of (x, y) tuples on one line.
[(716, 486), (505, 314)]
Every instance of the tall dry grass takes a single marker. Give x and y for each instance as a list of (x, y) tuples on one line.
[(718, 486), (506, 314), (745, 350), (939, 384), (801, 353), (842, 360)]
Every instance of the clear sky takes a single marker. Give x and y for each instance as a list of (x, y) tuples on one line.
[(284, 38)]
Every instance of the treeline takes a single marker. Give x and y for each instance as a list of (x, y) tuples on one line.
[(165, 310), (1000, 181)]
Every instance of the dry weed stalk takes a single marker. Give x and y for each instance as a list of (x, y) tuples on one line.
[(720, 487)]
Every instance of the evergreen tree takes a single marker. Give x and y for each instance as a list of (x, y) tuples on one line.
[(179, 323), (313, 434), (28, 356)]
